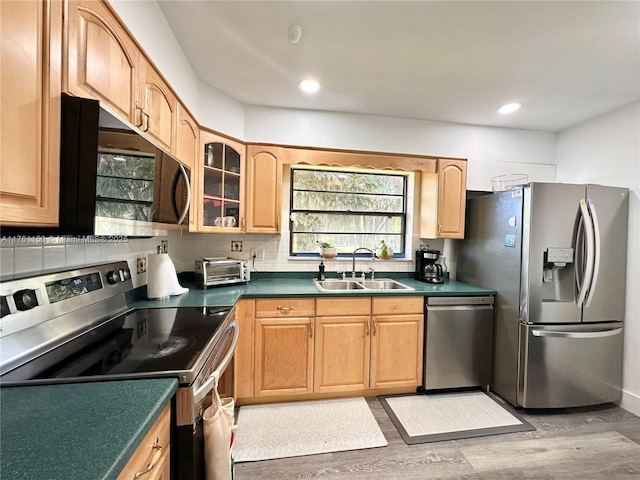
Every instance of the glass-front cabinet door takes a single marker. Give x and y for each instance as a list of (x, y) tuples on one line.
[(221, 184)]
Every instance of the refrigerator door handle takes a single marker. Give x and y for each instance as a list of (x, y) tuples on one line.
[(556, 333), (588, 240), (596, 258)]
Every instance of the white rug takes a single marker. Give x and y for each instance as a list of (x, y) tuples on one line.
[(450, 416), (305, 428)]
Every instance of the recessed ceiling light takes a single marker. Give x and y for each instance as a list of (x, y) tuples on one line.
[(309, 85), (509, 107)]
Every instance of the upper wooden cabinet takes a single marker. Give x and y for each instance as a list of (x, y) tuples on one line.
[(442, 200), (264, 188), (220, 185), (187, 147), (30, 75), (187, 137), (103, 62), (159, 114)]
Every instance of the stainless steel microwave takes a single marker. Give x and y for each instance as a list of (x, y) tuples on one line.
[(216, 271), (113, 181)]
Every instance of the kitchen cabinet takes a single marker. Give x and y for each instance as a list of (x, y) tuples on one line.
[(187, 149), (243, 357), (397, 329), (159, 115), (103, 61), (333, 345), (220, 189), (283, 348), (264, 188), (342, 344), (152, 458), (30, 75), (187, 138), (442, 200)]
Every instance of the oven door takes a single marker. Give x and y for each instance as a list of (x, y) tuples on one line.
[(190, 402)]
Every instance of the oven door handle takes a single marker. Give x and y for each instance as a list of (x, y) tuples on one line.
[(212, 381)]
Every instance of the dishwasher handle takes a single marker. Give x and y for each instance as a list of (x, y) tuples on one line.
[(458, 308), (466, 300)]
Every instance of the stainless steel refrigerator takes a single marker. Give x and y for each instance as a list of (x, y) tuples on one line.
[(556, 255)]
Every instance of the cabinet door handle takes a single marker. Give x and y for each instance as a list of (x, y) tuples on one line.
[(278, 223), (148, 117), (284, 309), (375, 326), (311, 328), (138, 107), (439, 228), (368, 327), (155, 456)]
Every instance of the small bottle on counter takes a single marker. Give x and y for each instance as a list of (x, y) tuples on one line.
[(321, 271), (445, 270)]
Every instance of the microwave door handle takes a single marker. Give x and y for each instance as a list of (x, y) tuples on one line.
[(174, 187), (596, 253), (212, 381)]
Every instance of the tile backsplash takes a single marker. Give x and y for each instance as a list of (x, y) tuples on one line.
[(24, 255)]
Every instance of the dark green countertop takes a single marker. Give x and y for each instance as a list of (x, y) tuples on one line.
[(77, 431), (293, 284)]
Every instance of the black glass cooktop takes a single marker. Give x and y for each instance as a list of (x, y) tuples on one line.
[(143, 342)]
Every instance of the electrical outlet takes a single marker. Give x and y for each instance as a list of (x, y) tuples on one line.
[(236, 245), (141, 265), (256, 254), (164, 246)]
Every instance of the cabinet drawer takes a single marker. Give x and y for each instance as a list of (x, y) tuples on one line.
[(147, 452), (285, 307), (397, 305), (343, 306)]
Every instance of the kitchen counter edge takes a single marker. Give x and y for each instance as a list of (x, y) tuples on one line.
[(77, 431)]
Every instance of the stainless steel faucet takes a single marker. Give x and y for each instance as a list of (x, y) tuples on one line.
[(353, 262)]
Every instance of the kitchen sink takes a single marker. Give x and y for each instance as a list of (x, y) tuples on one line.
[(338, 285), (351, 284)]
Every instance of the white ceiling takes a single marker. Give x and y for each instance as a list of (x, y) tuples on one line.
[(450, 61)]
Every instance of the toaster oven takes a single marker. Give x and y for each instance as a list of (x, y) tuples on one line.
[(217, 271)]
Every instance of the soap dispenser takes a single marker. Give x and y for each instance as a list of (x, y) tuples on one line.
[(321, 271)]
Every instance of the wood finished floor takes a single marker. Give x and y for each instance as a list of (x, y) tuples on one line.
[(600, 442)]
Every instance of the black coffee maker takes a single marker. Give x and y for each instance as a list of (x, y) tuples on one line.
[(427, 270)]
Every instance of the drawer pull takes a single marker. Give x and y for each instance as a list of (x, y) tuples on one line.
[(155, 456), (284, 309)]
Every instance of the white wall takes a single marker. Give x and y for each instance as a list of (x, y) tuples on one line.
[(490, 151), (148, 25), (606, 150)]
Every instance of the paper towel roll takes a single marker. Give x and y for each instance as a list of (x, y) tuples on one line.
[(162, 279)]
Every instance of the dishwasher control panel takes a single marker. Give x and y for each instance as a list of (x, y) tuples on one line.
[(483, 300)]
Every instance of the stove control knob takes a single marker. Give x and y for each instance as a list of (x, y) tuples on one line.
[(5, 306), (27, 299), (126, 274), (114, 277)]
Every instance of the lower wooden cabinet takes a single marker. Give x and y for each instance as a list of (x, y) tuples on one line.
[(283, 346), (396, 350), (304, 346), (152, 459), (397, 342)]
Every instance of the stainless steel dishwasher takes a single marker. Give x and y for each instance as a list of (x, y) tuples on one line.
[(458, 342)]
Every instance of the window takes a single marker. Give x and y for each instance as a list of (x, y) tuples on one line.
[(347, 208)]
